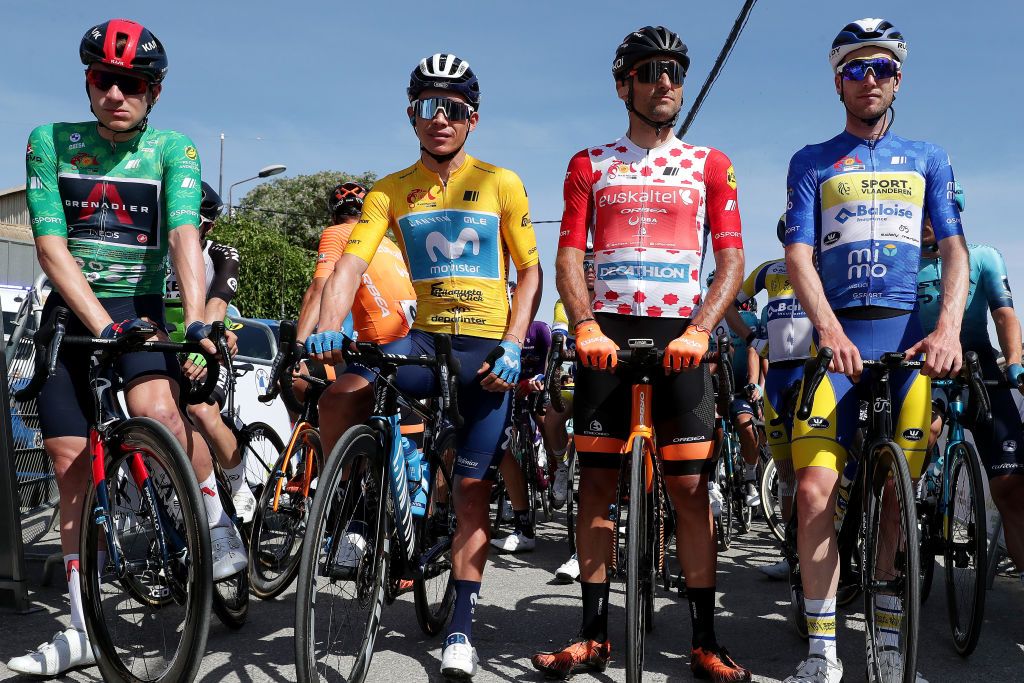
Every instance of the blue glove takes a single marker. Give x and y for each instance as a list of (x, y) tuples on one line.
[(507, 365), (115, 330), (325, 342), (1014, 373), (197, 331)]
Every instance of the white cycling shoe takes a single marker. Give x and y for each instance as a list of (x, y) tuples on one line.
[(245, 505), (229, 556), (777, 571), (569, 571), (516, 542), (458, 658), (753, 497), (69, 649), (817, 669), (715, 497), (352, 547)]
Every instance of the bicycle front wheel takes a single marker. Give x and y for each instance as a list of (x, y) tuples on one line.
[(570, 497), (434, 590), (148, 615), (260, 447), (281, 516), (891, 567), (966, 536), (638, 570), (771, 507), (345, 557)]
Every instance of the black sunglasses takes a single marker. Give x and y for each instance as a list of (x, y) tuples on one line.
[(651, 71)]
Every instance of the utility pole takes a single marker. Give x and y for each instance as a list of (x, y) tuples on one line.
[(220, 181)]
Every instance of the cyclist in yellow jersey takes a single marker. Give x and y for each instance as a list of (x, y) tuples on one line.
[(458, 222)]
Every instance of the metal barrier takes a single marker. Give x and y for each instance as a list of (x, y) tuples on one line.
[(12, 558)]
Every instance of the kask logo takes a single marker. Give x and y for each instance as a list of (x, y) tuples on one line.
[(438, 245)]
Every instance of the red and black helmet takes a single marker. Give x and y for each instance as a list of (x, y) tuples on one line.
[(346, 199), (139, 49)]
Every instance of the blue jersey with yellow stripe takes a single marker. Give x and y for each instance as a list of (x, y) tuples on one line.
[(787, 329), (861, 205), (989, 290)]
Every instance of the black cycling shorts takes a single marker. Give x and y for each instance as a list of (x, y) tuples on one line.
[(683, 413), (999, 444), (66, 402)]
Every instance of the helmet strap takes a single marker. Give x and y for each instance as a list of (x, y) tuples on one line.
[(658, 126)]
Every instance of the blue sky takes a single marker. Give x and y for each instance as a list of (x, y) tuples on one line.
[(317, 85)]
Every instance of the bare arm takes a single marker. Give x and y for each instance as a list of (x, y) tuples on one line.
[(187, 257), (571, 284), (942, 347), (811, 293), (736, 322), (722, 294), (66, 277), (525, 301), (1008, 331), (340, 291), (310, 312)]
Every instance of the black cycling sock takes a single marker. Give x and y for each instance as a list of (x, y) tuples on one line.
[(595, 611), (466, 593), (702, 616), (522, 523)]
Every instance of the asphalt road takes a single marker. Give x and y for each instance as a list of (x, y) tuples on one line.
[(521, 611)]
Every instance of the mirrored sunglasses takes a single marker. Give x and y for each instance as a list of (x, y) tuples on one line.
[(105, 80), (453, 109), (880, 67)]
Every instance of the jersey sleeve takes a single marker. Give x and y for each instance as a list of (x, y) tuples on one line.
[(373, 223), (753, 284), (225, 261), (723, 210), (578, 194), (802, 191), (559, 320), (44, 204), (332, 244), (994, 281), (516, 226), (940, 196), (182, 182)]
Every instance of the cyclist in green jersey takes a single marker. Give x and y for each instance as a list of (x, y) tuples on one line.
[(108, 199)]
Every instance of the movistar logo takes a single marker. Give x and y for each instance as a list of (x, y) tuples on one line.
[(438, 245)]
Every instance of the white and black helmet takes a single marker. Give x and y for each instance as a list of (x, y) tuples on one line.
[(864, 32), (447, 72)]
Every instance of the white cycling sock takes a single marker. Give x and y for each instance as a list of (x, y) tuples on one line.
[(236, 477), (821, 627), (71, 569), (215, 514), (889, 618)]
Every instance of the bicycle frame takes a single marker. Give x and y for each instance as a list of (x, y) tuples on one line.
[(641, 428)]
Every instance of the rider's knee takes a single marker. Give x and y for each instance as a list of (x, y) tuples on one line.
[(1008, 491), (815, 491)]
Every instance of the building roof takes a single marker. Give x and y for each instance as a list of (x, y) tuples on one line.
[(12, 190)]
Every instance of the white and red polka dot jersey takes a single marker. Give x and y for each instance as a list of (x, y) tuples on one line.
[(646, 209)]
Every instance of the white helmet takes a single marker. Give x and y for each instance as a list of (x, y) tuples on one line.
[(864, 32)]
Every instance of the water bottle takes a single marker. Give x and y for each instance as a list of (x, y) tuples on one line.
[(416, 473), (845, 486)]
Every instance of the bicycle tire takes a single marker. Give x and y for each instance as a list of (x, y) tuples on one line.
[(637, 574), (723, 523), (966, 541), (231, 595), (744, 512), (570, 497), (184, 584), (360, 453), (500, 495), (436, 530), (528, 466), (272, 568), (261, 443), (925, 527), (771, 505), (903, 584)]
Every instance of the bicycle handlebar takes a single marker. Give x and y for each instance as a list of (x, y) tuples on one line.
[(282, 361), (48, 346), (553, 376), (814, 371)]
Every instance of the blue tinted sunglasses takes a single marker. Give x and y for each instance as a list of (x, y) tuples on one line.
[(857, 69)]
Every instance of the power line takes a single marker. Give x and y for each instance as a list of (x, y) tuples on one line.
[(723, 57)]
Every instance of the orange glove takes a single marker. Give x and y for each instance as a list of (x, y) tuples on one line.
[(688, 349), (594, 348)]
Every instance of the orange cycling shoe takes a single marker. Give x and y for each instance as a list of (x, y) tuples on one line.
[(577, 655), (716, 665)]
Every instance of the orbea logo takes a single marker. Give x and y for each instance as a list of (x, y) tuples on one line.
[(438, 245)]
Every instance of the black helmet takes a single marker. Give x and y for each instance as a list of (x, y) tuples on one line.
[(447, 72), (346, 199), (780, 229), (211, 205), (140, 50), (649, 41)]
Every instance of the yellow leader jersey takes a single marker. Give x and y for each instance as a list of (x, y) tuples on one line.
[(456, 238)]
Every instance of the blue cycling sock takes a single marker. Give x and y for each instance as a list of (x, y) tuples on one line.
[(466, 593)]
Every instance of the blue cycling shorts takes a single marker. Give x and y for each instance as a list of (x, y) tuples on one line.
[(823, 439), (485, 413)]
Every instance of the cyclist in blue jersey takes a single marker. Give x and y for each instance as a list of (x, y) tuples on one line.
[(857, 202), (1001, 444)]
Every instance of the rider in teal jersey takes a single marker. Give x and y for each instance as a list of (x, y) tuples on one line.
[(1001, 443), (109, 199)]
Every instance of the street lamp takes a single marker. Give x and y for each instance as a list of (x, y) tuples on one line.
[(265, 172)]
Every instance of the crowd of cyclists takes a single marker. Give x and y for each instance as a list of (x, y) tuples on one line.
[(872, 259)]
